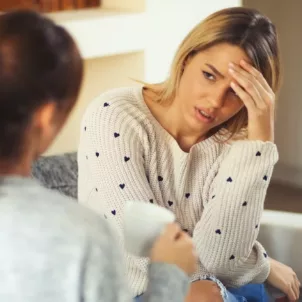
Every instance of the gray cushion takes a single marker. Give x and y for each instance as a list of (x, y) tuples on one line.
[(59, 172)]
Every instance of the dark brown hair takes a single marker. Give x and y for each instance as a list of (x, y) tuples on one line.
[(39, 63)]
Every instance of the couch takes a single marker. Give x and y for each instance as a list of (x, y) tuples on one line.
[(280, 232)]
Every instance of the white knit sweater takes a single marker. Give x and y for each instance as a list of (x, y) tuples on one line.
[(216, 191)]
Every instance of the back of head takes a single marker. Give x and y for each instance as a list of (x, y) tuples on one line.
[(39, 63)]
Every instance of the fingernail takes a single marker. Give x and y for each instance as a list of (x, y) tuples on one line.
[(231, 65), (243, 62), (233, 84), (231, 70)]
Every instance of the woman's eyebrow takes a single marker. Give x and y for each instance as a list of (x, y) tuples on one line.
[(215, 71)]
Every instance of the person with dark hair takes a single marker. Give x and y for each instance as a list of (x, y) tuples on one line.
[(53, 249), (200, 144)]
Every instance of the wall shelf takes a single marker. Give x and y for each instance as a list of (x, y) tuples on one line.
[(101, 33)]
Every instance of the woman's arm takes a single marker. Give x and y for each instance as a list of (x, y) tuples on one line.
[(226, 235), (111, 170)]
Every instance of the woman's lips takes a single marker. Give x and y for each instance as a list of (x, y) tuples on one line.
[(204, 115)]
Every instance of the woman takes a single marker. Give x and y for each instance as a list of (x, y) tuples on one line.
[(53, 249), (200, 144)]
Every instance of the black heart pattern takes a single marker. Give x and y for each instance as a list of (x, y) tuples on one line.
[(86, 157), (256, 227), (126, 158), (97, 154), (265, 178), (218, 232), (106, 104), (213, 196), (122, 186), (258, 153), (244, 204), (85, 128), (113, 212), (265, 255), (151, 200), (96, 189), (232, 257), (116, 134), (188, 195), (229, 179), (160, 178), (170, 203)]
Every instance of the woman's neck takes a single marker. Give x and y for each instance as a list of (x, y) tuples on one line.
[(9, 167), (173, 123), (171, 119)]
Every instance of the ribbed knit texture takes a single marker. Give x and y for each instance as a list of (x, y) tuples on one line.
[(216, 190)]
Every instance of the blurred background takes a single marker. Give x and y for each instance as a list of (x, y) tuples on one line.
[(123, 40)]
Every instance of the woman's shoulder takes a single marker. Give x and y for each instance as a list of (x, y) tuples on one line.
[(119, 108), (119, 99)]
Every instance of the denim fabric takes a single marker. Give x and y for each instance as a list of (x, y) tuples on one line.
[(246, 293)]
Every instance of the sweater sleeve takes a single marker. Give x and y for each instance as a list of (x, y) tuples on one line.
[(234, 195), (167, 283), (112, 172)]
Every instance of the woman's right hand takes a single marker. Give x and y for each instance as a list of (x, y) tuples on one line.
[(285, 279), (175, 247), (259, 99)]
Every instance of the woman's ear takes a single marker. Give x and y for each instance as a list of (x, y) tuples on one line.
[(44, 116), (44, 122)]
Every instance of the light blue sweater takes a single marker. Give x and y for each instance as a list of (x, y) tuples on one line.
[(52, 249)]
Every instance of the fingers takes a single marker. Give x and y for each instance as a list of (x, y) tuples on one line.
[(245, 97), (185, 239), (291, 295), (296, 288), (257, 77), (251, 85), (172, 231), (293, 292), (257, 74), (298, 282)]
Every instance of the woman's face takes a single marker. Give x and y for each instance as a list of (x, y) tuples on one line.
[(205, 97)]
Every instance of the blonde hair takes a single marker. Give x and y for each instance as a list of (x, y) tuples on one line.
[(246, 28)]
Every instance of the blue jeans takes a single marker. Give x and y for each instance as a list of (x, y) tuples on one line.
[(246, 293)]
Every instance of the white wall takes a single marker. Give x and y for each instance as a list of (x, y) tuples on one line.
[(168, 22), (287, 15), (100, 75)]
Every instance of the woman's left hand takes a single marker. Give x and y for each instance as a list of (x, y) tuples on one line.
[(258, 97), (285, 279)]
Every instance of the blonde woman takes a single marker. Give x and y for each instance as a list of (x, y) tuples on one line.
[(202, 145)]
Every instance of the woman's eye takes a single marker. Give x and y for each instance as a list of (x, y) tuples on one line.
[(208, 76)]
